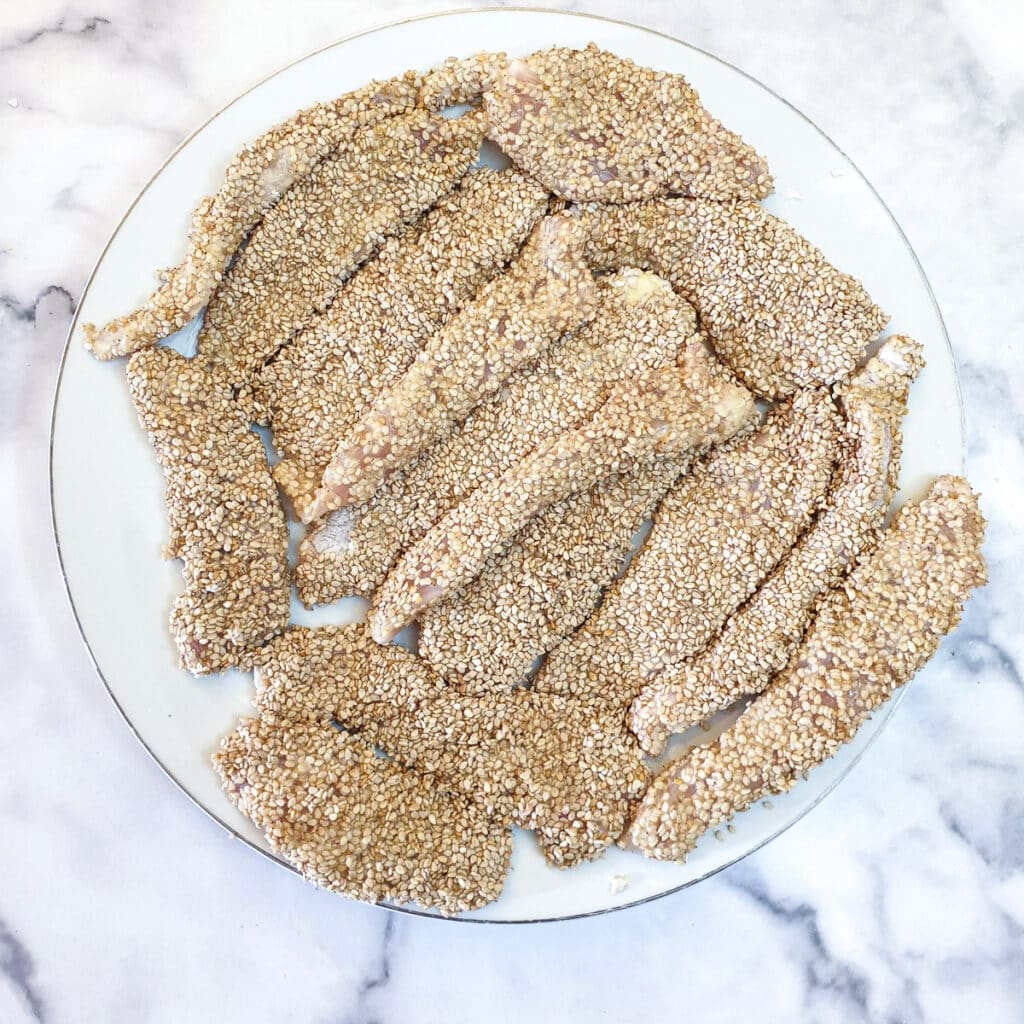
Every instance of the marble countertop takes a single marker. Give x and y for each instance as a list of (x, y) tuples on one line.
[(901, 898)]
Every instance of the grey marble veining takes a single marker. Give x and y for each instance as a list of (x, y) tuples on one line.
[(901, 898)]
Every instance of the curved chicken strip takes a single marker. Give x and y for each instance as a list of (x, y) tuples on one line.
[(594, 126), (225, 519), (348, 820), (716, 535), (253, 182), (533, 760), (320, 383), (545, 584), (777, 312), (547, 291), (758, 640), (870, 636), (326, 226), (640, 324), (667, 411)]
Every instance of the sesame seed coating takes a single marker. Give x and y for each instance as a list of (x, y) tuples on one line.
[(225, 520), (777, 312), (547, 291), (348, 820), (534, 760), (665, 411), (326, 226), (255, 179), (871, 634), (329, 375), (716, 535), (545, 584), (759, 639), (594, 126), (639, 324)]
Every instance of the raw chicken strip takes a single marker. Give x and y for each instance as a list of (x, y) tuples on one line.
[(777, 312), (225, 519), (320, 383), (758, 640), (870, 636), (253, 182), (716, 535), (594, 126), (668, 411), (546, 292), (543, 585), (524, 758), (639, 324), (348, 820), (325, 227)]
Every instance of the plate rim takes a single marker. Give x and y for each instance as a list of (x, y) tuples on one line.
[(412, 911)]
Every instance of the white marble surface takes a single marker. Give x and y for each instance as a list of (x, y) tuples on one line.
[(901, 898)]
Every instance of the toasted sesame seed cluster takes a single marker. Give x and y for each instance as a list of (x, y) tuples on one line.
[(480, 386), (639, 324), (326, 226), (224, 516), (759, 639), (868, 638)]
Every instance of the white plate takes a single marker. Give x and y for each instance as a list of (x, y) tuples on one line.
[(107, 489)]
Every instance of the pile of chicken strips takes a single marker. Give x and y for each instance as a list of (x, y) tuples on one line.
[(479, 385)]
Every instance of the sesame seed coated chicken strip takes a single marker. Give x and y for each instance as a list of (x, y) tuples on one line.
[(716, 535), (320, 383), (547, 291), (639, 324), (525, 758), (225, 519), (348, 820), (594, 126), (870, 636), (545, 584), (777, 312), (667, 411), (325, 227), (255, 179), (759, 638)]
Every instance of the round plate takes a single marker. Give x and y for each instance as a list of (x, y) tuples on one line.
[(107, 490)]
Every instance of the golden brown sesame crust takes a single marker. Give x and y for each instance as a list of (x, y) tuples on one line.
[(225, 519), (326, 226), (777, 312), (715, 537), (348, 820), (547, 291), (594, 126), (759, 639), (639, 324), (544, 585), (872, 633), (667, 411), (253, 182), (318, 385)]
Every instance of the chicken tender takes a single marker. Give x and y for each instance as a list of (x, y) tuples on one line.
[(759, 639), (255, 180), (594, 126), (225, 519), (870, 636)]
